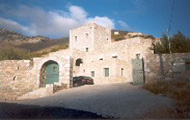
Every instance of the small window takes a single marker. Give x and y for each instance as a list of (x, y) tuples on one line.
[(75, 38), (83, 70), (101, 59), (122, 71), (115, 56), (107, 38), (86, 49), (92, 73), (14, 78), (106, 72)]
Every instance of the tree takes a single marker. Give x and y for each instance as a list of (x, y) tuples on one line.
[(162, 46), (179, 44)]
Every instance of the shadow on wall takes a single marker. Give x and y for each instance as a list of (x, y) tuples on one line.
[(18, 111)]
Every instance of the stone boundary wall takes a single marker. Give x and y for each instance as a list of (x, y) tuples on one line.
[(162, 67), (16, 78)]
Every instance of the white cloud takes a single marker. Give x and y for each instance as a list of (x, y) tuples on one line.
[(78, 13), (6, 23), (124, 25), (52, 23), (104, 21)]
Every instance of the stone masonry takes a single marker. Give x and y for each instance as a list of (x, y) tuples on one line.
[(19, 77)]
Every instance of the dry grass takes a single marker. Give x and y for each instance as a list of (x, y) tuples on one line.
[(179, 90), (126, 35), (14, 53), (46, 51), (119, 37)]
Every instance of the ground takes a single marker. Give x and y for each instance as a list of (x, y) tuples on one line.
[(113, 100)]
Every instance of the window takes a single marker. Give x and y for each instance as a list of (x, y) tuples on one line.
[(122, 71), (115, 56), (106, 72), (14, 78), (92, 73), (107, 38), (101, 59), (86, 49), (75, 38)]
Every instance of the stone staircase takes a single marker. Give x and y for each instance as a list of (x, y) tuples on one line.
[(44, 91)]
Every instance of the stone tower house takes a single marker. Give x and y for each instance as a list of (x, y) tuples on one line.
[(89, 38), (96, 54)]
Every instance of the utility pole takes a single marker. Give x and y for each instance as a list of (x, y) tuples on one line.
[(169, 43), (169, 27)]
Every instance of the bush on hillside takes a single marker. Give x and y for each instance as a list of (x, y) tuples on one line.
[(11, 53)]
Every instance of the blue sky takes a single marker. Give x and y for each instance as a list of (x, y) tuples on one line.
[(54, 18)]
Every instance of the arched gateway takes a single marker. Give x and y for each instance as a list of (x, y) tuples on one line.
[(49, 73)]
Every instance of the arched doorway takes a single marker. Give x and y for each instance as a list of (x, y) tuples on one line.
[(78, 62), (78, 66), (49, 73)]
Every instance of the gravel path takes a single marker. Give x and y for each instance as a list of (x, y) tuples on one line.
[(116, 100)]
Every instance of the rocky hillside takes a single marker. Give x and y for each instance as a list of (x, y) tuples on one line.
[(12, 38), (7, 35), (118, 35)]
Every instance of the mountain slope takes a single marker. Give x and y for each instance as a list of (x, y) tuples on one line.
[(10, 38)]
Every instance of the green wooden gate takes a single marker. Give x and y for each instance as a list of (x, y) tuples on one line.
[(52, 73), (138, 71)]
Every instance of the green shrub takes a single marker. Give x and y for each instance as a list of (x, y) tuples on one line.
[(11, 53), (179, 44)]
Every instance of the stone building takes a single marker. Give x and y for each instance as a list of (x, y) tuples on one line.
[(105, 55), (96, 54)]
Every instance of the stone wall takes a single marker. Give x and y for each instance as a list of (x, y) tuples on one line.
[(22, 76), (162, 67), (102, 37), (16, 78)]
